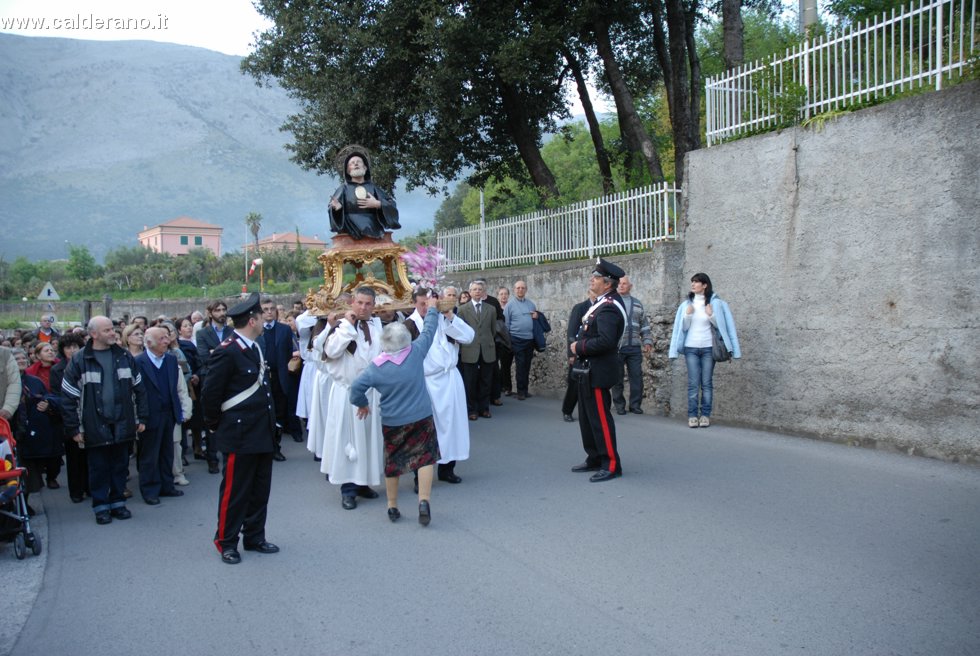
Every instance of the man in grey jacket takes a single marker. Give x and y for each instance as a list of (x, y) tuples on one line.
[(637, 335)]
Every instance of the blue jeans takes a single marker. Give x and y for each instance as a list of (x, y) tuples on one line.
[(700, 367)]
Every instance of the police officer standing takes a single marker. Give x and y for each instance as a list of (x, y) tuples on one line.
[(596, 368), (241, 419)]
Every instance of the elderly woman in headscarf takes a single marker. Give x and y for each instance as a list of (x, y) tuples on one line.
[(409, 431)]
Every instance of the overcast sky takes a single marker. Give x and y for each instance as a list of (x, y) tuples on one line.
[(223, 25)]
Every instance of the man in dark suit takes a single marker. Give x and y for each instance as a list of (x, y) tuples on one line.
[(277, 346), (571, 384), (240, 417), (155, 450), (479, 357), (212, 333), (596, 367)]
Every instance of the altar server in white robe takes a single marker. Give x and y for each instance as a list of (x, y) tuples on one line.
[(304, 325), (353, 451), (444, 382), (316, 423)]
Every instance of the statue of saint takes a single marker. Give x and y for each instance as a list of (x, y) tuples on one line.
[(359, 208)]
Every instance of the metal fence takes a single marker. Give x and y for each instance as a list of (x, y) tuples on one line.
[(627, 221), (920, 45)]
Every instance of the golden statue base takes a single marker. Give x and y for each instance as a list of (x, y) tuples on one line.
[(395, 291)]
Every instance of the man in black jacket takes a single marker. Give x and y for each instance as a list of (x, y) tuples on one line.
[(212, 333), (596, 368), (241, 419), (104, 407), (277, 343)]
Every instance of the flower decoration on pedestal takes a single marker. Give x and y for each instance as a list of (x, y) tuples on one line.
[(424, 264)]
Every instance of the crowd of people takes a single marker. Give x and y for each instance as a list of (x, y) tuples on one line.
[(374, 395)]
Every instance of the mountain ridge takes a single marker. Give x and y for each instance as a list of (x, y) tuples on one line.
[(104, 137)]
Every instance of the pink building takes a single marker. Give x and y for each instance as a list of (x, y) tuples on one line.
[(180, 235)]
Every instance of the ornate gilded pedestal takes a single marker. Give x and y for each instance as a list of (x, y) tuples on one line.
[(359, 253)]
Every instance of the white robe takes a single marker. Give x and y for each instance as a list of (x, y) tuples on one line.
[(305, 323), (344, 427), (446, 389), (316, 424)]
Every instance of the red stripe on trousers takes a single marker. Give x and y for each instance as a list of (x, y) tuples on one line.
[(225, 499), (606, 435)]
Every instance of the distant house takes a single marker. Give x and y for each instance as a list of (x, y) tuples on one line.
[(180, 235), (287, 241)]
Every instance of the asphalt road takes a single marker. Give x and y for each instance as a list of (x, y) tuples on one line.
[(716, 541)]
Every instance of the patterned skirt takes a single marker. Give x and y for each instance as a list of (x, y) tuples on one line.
[(409, 447)]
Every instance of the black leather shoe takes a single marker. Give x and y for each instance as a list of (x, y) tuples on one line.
[(393, 514), (262, 547), (636, 411), (298, 438), (103, 517), (172, 493), (603, 475), (53, 484), (121, 513), (451, 478), (77, 499), (521, 397), (184, 461), (620, 411), (278, 457), (213, 468), (151, 501), (496, 402), (585, 467), (231, 556), (485, 414), (425, 515), (349, 503), (367, 493), (568, 417)]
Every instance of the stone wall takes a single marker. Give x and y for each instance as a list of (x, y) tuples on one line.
[(849, 257)]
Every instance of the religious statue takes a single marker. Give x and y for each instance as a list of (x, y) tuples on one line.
[(360, 208)]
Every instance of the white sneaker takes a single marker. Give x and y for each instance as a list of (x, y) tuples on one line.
[(181, 481), (692, 422), (705, 422)]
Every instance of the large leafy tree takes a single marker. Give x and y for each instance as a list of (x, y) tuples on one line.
[(434, 88)]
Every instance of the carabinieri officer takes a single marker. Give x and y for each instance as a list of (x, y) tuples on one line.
[(239, 413), (596, 369)]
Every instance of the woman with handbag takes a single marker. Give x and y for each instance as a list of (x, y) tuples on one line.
[(704, 332)]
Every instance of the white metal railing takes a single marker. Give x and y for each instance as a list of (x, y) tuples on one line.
[(619, 222), (920, 45)]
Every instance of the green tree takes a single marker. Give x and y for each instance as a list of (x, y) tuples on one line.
[(81, 264), (450, 212), (764, 35)]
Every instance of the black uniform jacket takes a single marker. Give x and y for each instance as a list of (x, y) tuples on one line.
[(598, 341), (248, 427)]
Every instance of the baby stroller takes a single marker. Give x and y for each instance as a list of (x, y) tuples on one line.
[(15, 521)]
